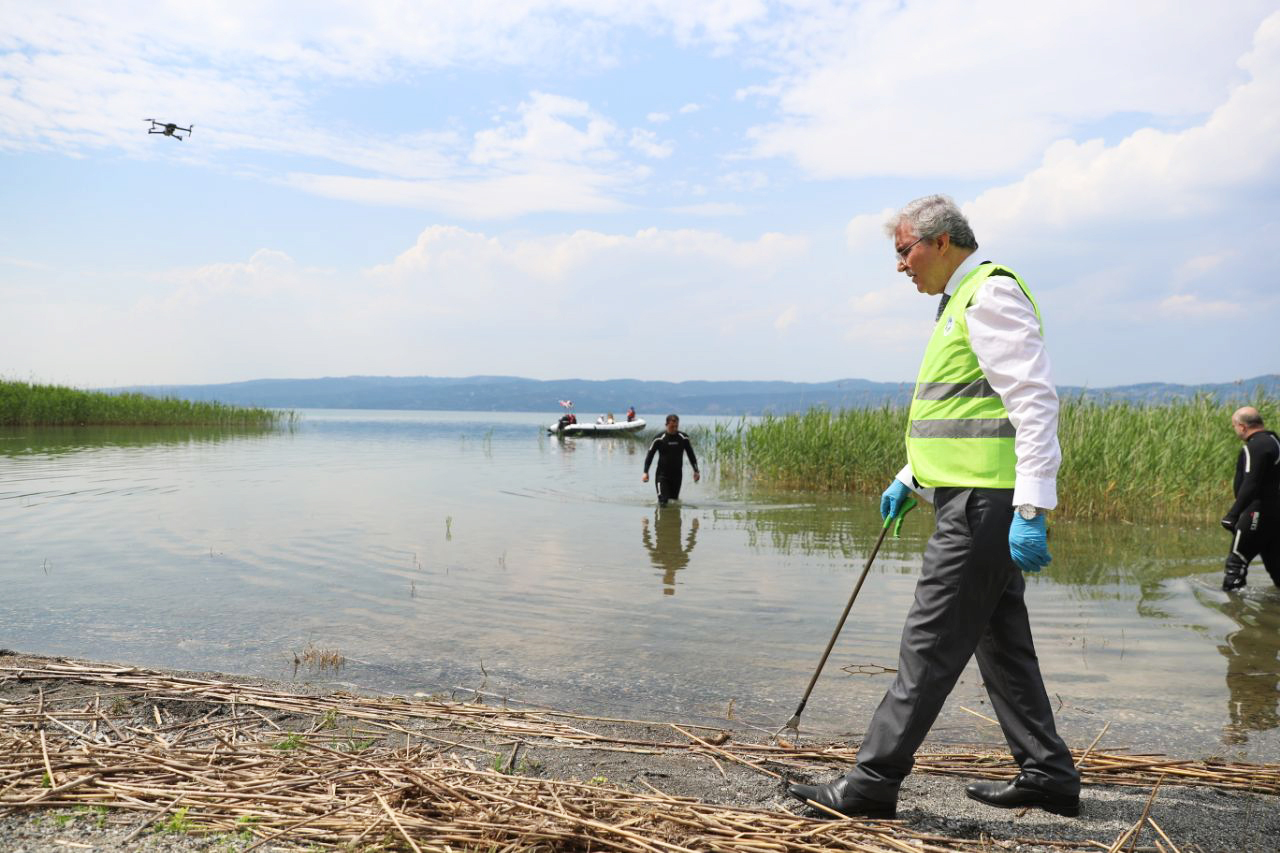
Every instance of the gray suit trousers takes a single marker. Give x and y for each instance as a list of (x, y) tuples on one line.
[(969, 600)]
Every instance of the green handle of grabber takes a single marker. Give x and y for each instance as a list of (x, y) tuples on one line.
[(896, 520)]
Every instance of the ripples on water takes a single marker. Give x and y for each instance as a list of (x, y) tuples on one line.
[(458, 551)]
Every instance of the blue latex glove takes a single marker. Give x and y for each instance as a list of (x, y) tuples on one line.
[(902, 514), (1029, 543), (894, 500)]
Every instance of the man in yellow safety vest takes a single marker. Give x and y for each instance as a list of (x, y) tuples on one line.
[(982, 445)]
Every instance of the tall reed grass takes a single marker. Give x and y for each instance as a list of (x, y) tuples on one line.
[(1155, 463), (28, 404)]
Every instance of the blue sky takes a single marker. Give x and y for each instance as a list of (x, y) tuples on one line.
[(658, 190)]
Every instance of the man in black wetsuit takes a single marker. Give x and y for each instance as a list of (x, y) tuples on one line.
[(670, 447), (1254, 519)]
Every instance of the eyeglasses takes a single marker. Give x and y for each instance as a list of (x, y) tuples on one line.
[(906, 250)]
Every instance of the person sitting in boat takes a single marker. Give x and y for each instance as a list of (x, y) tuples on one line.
[(600, 419), (631, 414), (609, 418), (573, 419), (565, 420)]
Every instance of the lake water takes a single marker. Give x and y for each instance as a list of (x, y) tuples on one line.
[(456, 552)]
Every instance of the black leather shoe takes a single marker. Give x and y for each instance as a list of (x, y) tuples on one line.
[(1022, 793), (839, 797)]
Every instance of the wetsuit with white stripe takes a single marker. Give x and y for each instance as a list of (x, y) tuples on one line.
[(1254, 518), (670, 449)]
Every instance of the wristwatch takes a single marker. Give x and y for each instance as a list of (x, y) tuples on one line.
[(1028, 511)]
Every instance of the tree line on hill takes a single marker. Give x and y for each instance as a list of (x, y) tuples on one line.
[(515, 394)]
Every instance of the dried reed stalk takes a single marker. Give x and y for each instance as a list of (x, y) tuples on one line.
[(235, 770)]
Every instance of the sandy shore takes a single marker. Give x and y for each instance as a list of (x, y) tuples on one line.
[(127, 749)]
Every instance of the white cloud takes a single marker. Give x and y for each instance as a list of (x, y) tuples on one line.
[(364, 41), (565, 189), (77, 80), (1188, 305), (710, 208), (469, 302), (457, 302), (1154, 175), (24, 264), (546, 132), (648, 144), (759, 90), (79, 76), (867, 229), (554, 155), (744, 181), (267, 273), (889, 320), (904, 89), (689, 108), (1201, 266), (1145, 221), (658, 118), (556, 258)]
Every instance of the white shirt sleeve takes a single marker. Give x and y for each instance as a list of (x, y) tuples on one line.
[(905, 477), (1005, 336)]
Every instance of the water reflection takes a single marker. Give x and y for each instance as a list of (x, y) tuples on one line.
[(1112, 557), (668, 551), (1253, 663), (843, 527), (614, 445), (1098, 560), (54, 441)]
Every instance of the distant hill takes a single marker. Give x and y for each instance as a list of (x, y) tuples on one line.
[(513, 394)]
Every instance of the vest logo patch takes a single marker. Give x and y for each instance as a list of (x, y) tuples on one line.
[(951, 324)]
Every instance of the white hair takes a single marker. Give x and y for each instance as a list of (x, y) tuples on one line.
[(933, 216)]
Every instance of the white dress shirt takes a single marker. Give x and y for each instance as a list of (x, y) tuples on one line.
[(1005, 336)]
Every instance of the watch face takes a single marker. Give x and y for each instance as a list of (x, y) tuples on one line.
[(1027, 511)]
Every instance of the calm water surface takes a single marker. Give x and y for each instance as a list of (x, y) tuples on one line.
[(451, 552)]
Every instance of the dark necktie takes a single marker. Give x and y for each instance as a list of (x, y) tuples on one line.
[(942, 304)]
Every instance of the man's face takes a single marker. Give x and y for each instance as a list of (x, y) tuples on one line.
[(1239, 428), (921, 259), (673, 425)]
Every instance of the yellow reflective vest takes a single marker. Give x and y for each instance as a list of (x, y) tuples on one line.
[(958, 431)]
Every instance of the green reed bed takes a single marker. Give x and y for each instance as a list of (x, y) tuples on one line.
[(1135, 462), (853, 450), (28, 404), (1148, 463)]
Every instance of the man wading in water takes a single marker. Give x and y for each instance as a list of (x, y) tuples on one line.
[(670, 446), (1254, 519)]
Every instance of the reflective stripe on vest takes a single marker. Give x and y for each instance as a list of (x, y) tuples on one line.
[(958, 432), (947, 390), (963, 428)]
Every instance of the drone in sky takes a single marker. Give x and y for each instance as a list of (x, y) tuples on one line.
[(168, 129)]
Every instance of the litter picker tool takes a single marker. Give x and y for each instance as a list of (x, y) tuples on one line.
[(896, 523)]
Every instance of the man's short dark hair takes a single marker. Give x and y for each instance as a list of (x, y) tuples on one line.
[(673, 417)]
